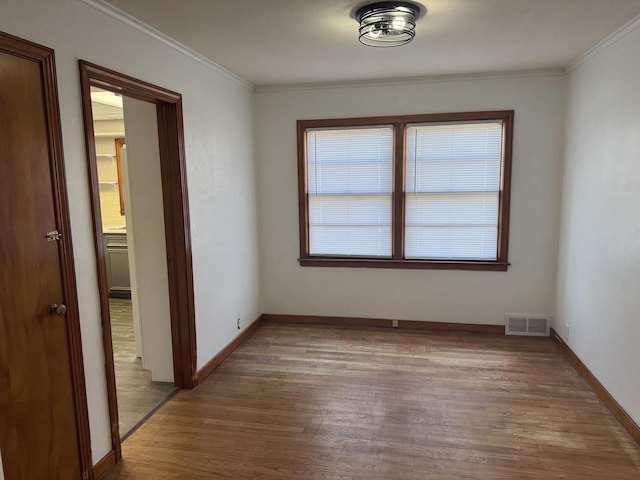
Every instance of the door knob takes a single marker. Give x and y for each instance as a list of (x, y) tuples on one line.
[(55, 309)]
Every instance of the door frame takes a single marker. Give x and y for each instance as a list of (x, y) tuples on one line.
[(176, 219), (45, 58)]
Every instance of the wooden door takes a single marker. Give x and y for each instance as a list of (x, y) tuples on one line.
[(40, 392)]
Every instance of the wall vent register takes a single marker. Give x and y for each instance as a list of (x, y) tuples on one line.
[(527, 325)]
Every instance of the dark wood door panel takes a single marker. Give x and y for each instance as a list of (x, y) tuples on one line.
[(38, 428)]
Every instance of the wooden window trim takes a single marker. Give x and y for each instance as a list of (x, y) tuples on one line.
[(399, 123)]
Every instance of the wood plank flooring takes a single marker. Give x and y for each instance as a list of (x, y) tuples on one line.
[(313, 402), (137, 394)]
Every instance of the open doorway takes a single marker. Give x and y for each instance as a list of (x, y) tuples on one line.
[(142, 383), (145, 185)]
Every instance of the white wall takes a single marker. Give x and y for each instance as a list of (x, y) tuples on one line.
[(431, 295), (599, 259), (597, 283), (220, 171), (146, 237)]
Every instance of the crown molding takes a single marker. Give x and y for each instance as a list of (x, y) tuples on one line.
[(605, 43), (549, 72), (160, 37)]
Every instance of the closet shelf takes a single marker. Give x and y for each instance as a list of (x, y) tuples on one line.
[(111, 184)]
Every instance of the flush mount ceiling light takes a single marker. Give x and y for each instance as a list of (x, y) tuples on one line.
[(387, 24)]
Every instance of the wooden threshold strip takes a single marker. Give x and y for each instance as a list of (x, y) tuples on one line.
[(606, 398), (211, 365), (386, 323), (103, 465)]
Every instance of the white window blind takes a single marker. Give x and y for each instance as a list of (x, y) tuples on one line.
[(349, 188), (452, 188)]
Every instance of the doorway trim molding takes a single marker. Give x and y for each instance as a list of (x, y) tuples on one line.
[(45, 58), (176, 219)]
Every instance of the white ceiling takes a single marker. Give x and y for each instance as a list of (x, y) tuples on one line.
[(106, 105), (276, 42)]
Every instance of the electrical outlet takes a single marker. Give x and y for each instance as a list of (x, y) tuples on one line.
[(567, 328), (394, 323), (238, 323)]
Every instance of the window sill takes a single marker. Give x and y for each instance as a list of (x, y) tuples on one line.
[(401, 264)]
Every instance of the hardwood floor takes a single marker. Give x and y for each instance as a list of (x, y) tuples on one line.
[(312, 402), (137, 394)]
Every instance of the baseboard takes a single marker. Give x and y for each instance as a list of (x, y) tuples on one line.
[(606, 398), (103, 466), (383, 322), (211, 365)]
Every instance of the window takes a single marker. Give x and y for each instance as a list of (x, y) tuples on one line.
[(350, 192), (420, 191)]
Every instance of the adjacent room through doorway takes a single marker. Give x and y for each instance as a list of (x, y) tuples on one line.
[(140, 333)]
